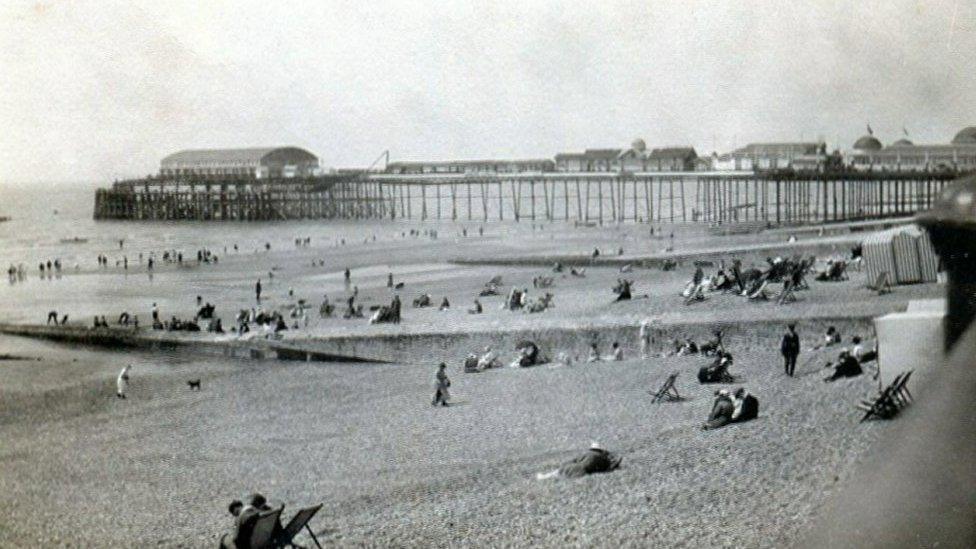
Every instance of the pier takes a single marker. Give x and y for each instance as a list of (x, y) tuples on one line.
[(714, 198)]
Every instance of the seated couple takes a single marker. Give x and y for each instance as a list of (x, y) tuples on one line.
[(732, 408)]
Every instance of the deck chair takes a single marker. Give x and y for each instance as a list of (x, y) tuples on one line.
[(295, 525), (668, 392), (900, 393), (890, 400), (788, 295), (883, 283), (262, 536)]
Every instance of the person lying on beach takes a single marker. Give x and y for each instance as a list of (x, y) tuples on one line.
[(579, 273), (488, 359), (595, 460), (846, 366), (422, 301)]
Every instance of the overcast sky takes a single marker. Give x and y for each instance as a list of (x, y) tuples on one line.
[(98, 90)]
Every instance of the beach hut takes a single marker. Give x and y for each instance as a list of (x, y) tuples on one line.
[(907, 268), (905, 253), (928, 261), (878, 255)]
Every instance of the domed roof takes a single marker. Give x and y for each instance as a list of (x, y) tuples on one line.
[(902, 143), (638, 145), (867, 143), (965, 136)]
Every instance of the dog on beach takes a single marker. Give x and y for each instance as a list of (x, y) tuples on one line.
[(193, 384)]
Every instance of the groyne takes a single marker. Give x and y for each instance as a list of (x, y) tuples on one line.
[(428, 348)]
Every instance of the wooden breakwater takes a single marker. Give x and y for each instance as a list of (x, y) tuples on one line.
[(430, 348), (156, 340), (715, 198)]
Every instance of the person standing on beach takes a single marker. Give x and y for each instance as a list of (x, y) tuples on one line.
[(790, 348), (122, 383), (257, 290), (645, 338), (441, 384)]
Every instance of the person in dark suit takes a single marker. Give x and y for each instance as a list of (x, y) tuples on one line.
[(790, 348), (244, 519), (247, 517)]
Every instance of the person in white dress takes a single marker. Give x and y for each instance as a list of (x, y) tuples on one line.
[(122, 383)]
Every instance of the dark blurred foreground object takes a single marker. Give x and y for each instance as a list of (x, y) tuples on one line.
[(951, 224), (918, 487)]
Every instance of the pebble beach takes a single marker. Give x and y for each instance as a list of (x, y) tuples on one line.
[(84, 469)]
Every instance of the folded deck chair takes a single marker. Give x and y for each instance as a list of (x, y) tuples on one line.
[(667, 392), (883, 283), (262, 536), (295, 525)]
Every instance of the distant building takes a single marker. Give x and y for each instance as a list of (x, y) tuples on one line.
[(471, 167), (770, 156), (590, 160), (257, 163), (635, 159), (868, 154), (671, 159)]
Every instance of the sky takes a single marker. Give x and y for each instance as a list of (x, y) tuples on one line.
[(99, 90)]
